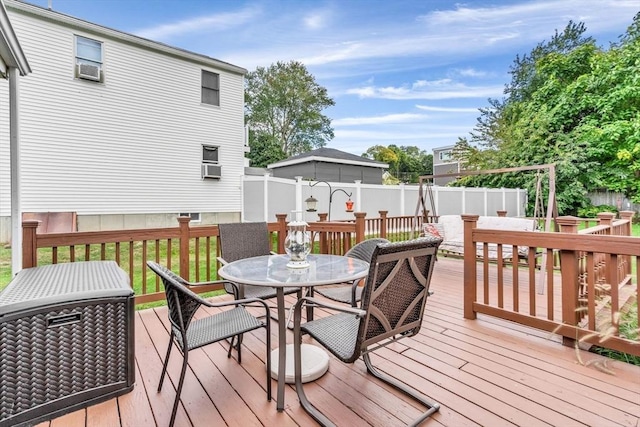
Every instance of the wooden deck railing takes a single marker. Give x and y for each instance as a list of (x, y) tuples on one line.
[(582, 302), (191, 251), (394, 227)]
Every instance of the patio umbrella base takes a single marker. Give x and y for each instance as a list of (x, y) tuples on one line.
[(315, 362)]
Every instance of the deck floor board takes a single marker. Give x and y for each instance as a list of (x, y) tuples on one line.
[(483, 372)]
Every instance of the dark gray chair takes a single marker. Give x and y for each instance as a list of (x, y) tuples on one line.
[(392, 308), (352, 293), (188, 334), (245, 240)]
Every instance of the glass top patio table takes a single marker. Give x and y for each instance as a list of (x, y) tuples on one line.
[(272, 271)]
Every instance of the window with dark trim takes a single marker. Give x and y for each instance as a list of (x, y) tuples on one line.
[(209, 154), (210, 88)]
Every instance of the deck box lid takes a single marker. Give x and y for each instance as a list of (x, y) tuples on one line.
[(51, 284)]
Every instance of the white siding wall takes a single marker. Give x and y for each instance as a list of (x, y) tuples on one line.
[(130, 145)]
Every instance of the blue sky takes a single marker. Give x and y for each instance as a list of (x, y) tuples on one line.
[(404, 72)]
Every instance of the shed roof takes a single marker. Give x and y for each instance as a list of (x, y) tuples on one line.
[(329, 155)]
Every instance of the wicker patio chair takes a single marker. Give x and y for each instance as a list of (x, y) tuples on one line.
[(245, 240), (352, 293), (189, 334), (392, 308)]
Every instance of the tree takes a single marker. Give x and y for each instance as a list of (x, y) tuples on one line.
[(283, 103), (264, 150), (570, 103), (405, 163)]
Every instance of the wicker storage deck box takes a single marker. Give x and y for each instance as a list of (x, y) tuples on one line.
[(66, 340)]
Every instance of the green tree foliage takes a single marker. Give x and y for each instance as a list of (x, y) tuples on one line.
[(264, 150), (570, 103), (405, 163), (283, 104)]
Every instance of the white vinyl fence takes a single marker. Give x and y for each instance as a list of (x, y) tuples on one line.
[(265, 196)]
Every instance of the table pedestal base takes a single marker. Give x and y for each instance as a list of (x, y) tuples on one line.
[(315, 362)]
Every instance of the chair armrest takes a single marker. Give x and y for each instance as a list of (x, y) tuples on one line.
[(319, 303), (221, 260), (215, 282), (236, 302)]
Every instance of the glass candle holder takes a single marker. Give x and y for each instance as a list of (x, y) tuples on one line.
[(297, 244)]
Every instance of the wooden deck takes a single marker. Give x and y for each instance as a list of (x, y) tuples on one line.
[(483, 372)]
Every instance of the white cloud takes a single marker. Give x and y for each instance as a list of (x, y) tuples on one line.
[(316, 20), (217, 22), (377, 120), (471, 72), (440, 89), (447, 109)]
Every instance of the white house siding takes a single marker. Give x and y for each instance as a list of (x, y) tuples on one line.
[(131, 145)]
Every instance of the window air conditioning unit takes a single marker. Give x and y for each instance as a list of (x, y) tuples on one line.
[(89, 72), (211, 171)]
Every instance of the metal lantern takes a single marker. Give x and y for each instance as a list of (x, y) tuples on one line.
[(311, 202)]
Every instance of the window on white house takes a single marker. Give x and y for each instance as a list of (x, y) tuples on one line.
[(210, 88), (210, 154), (195, 216), (445, 155), (210, 162), (88, 59)]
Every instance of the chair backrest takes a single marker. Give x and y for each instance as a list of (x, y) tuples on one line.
[(396, 289), (364, 249), (181, 302), (244, 240)]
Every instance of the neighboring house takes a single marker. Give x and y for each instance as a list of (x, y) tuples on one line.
[(329, 164), (443, 163), (121, 130)]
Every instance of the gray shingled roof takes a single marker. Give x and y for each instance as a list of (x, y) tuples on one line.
[(328, 154)]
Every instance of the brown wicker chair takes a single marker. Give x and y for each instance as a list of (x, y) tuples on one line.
[(352, 293), (392, 307), (189, 334), (245, 240)]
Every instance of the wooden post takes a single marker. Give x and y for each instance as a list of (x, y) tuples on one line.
[(627, 215), (568, 224), (282, 231), (360, 226), (470, 266), (29, 243), (569, 267), (183, 221), (324, 247), (501, 213), (606, 218), (383, 223)]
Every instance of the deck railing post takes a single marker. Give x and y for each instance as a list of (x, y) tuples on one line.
[(282, 231), (470, 266), (383, 223), (628, 216), (324, 247), (29, 243), (360, 225), (569, 269), (183, 221), (606, 218)]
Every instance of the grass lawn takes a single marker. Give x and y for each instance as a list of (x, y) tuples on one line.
[(151, 284)]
